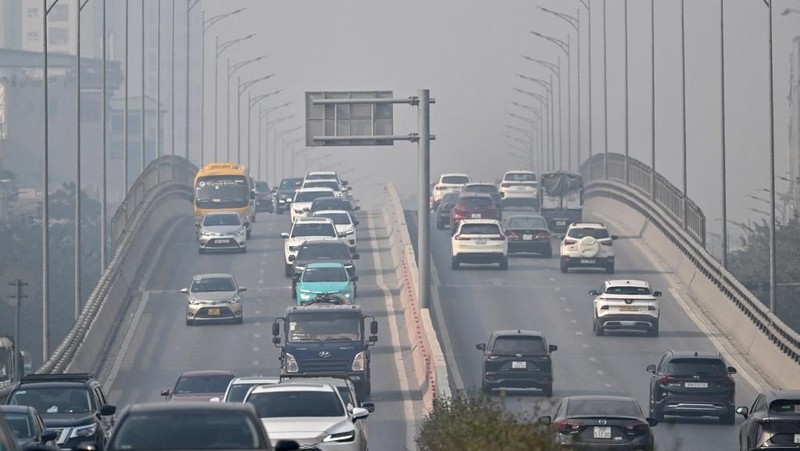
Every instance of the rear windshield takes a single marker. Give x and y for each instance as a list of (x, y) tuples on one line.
[(321, 176), (518, 345), (262, 186), (222, 220), (480, 229), (313, 229), (324, 251), (628, 290), (476, 202), (527, 223), (322, 184), (290, 183), (331, 204), (603, 407), (589, 231), (202, 384), (785, 406), (455, 179), (450, 198), (338, 218), (308, 196), (289, 404), (697, 367), (314, 274), (490, 189), (520, 177)]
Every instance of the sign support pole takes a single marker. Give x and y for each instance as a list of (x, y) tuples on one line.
[(423, 208)]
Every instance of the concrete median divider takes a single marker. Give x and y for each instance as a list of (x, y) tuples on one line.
[(426, 351)]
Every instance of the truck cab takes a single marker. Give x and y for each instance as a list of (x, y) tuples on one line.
[(322, 339), (14, 364), (561, 199)]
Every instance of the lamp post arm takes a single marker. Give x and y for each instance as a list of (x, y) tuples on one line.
[(572, 21), (211, 21)]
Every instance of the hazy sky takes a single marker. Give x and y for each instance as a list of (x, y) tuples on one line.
[(467, 52)]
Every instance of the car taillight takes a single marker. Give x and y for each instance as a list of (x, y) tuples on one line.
[(513, 235), (727, 382), (505, 185), (543, 235), (440, 188), (566, 426), (569, 242), (607, 243), (638, 428), (498, 238), (459, 237), (663, 380)]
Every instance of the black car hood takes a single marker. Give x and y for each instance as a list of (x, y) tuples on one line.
[(59, 420)]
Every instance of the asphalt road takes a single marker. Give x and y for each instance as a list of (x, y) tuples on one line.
[(534, 294), (159, 346)]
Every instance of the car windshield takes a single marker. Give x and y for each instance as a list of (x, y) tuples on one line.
[(520, 177), (314, 327), (603, 407), (627, 290), (210, 284), (222, 220), (313, 229), (697, 367), (202, 384), (490, 189), (287, 184), (527, 223), (292, 404), (50, 401), (332, 184), (237, 392), (20, 424), (194, 430), (338, 218), (309, 196), (325, 274), (324, 252), (785, 406), (455, 179), (512, 345), (480, 229), (332, 203), (476, 202), (580, 232), (262, 187)]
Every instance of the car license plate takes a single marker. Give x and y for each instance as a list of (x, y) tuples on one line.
[(602, 432), (225, 241), (519, 365), (561, 223), (628, 308), (475, 216), (481, 241), (527, 237), (797, 438), (213, 312), (588, 261), (696, 385), (519, 188)]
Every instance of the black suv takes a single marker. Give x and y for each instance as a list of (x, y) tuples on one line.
[(692, 384), (284, 193), (322, 251), (73, 404), (517, 359), (333, 203)]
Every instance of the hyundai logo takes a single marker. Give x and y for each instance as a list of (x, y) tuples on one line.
[(324, 354)]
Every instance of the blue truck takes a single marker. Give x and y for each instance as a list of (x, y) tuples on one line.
[(326, 339), (561, 199)]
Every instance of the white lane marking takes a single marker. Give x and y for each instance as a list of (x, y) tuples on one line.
[(255, 349), (608, 385), (578, 332), (258, 312), (261, 281), (600, 372), (256, 335), (255, 362), (557, 288), (552, 279), (444, 335), (562, 298), (568, 310), (592, 359), (743, 369), (408, 404), (574, 321), (584, 345)]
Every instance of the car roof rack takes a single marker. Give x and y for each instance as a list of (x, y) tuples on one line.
[(58, 377)]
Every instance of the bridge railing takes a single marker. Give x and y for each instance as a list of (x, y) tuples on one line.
[(654, 185)]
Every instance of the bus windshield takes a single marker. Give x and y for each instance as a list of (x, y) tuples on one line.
[(221, 191)]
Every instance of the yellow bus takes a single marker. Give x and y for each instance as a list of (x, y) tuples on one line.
[(224, 186)]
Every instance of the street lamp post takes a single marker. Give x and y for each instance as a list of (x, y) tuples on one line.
[(275, 148), (251, 102), (241, 88), (264, 115), (220, 49), (565, 47), (189, 6), (232, 70), (548, 86), (589, 72), (627, 103), (142, 147), (683, 118), (605, 92), (104, 133), (543, 122), (722, 135), (545, 101), (772, 231), (81, 4)]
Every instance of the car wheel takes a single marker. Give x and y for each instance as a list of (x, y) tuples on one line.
[(548, 253), (598, 329), (248, 234), (253, 218), (728, 418), (200, 251), (439, 225), (653, 332), (486, 388), (610, 269), (547, 391), (504, 264), (287, 270), (189, 322), (564, 267), (454, 263), (656, 412), (239, 320), (243, 249)]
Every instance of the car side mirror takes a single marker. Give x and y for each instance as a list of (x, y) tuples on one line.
[(275, 188), (306, 209), (355, 256), (651, 368), (276, 340), (743, 411), (184, 290), (354, 279), (215, 399), (356, 222), (546, 419), (506, 232), (652, 422), (165, 392), (552, 348), (356, 208), (48, 435), (502, 194), (373, 339), (731, 370), (480, 346), (284, 234), (276, 329), (594, 293), (242, 289), (657, 294), (370, 406), (292, 258), (252, 194), (373, 327), (107, 410), (614, 237), (286, 445), (360, 413)]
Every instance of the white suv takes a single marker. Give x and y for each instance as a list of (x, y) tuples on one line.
[(448, 183), (625, 304), (587, 245), (305, 229), (303, 199), (310, 414), (519, 188), (479, 241)]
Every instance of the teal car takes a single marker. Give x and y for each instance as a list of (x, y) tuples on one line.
[(325, 278)]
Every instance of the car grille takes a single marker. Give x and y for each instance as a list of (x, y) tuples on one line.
[(224, 312), (325, 365), (215, 242)]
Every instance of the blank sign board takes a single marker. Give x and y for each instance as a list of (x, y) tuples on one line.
[(348, 119)]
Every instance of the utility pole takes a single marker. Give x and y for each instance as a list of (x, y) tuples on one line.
[(104, 170), (80, 4), (16, 293)]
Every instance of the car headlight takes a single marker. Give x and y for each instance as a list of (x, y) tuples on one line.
[(241, 232), (235, 300), (360, 362), (350, 232), (344, 294), (205, 233), (348, 436), (304, 295), (291, 364), (294, 248), (84, 431), (194, 302)]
